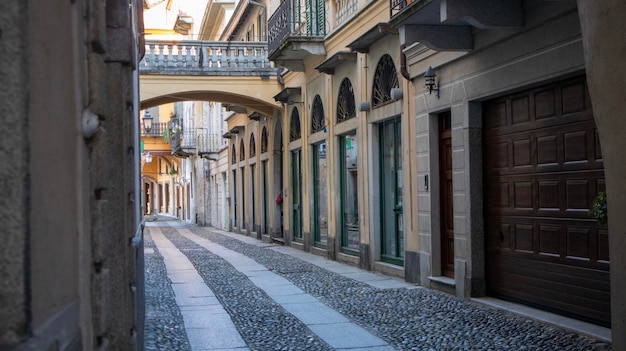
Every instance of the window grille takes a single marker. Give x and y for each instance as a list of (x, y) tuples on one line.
[(385, 79)]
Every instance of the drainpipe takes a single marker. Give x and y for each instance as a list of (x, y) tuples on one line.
[(279, 78), (403, 70)]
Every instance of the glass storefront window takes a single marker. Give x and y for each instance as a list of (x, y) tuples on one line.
[(350, 237), (320, 193)]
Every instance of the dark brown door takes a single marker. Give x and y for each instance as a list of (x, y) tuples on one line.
[(543, 169), (446, 210)]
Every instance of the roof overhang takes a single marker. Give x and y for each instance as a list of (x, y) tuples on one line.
[(335, 60), (287, 94), (363, 43)]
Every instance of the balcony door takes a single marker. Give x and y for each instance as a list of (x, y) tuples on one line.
[(315, 17)]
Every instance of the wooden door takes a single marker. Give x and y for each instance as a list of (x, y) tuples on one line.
[(445, 193)]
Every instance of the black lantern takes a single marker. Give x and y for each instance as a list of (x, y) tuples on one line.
[(147, 121), (431, 84)]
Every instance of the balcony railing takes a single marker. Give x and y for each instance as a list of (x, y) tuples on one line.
[(208, 142), (397, 6), (345, 10), (156, 130), (183, 140), (297, 18), (196, 57)]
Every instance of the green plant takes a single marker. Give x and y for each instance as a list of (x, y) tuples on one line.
[(167, 135), (599, 209), (172, 172)]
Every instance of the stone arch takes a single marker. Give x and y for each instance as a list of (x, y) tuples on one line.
[(251, 93)]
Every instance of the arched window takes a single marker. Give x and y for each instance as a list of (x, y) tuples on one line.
[(252, 146), (385, 79), (294, 128), (345, 101), (234, 153), (242, 153), (264, 137), (317, 115)]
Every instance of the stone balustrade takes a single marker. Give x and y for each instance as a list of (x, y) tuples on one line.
[(198, 57)]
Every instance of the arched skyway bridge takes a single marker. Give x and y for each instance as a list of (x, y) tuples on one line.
[(234, 73)]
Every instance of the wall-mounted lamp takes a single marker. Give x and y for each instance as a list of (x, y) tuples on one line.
[(431, 83), (147, 121), (148, 157)]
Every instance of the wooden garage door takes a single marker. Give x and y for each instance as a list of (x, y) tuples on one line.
[(543, 170)]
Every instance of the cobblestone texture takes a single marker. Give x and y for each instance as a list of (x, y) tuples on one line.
[(164, 326), (408, 319), (262, 323)]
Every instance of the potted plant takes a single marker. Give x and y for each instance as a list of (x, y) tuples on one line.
[(599, 209), (167, 135)]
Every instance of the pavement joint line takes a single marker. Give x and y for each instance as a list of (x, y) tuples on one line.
[(209, 334), (363, 339)]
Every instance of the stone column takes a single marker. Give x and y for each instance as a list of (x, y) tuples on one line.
[(606, 76)]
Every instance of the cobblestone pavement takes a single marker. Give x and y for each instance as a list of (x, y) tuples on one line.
[(405, 318)]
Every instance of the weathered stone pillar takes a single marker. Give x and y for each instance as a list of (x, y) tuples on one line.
[(606, 75)]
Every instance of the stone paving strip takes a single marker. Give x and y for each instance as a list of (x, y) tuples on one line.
[(408, 318), (262, 322), (164, 326), (207, 324), (330, 326)]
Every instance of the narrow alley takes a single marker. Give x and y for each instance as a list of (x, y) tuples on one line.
[(208, 289)]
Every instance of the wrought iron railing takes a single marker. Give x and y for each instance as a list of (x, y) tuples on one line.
[(198, 57), (345, 10), (182, 136), (397, 6), (278, 26), (298, 18), (156, 130)]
